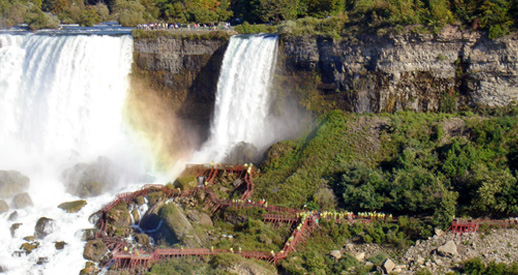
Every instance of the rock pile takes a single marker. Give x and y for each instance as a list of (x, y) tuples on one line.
[(440, 254)]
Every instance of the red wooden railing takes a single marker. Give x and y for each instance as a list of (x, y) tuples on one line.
[(306, 220)]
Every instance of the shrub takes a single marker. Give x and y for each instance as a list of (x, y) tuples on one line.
[(36, 19)]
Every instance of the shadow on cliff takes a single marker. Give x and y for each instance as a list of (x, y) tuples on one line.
[(197, 109)]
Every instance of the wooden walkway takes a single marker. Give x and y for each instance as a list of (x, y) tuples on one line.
[(305, 221)]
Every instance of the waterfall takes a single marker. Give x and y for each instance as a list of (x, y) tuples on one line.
[(61, 102), (242, 100)]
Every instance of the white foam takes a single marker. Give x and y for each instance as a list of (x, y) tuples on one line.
[(61, 102), (243, 97)]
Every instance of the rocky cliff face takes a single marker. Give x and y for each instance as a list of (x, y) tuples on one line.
[(183, 72), (365, 73), (421, 72)]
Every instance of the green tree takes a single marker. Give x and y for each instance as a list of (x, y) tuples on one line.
[(495, 16), (324, 8), (37, 19), (278, 10), (496, 192), (88, 17)]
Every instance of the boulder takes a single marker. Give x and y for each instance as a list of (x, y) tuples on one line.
[(4, 207), (119, 219), (14, 227), (91, 179), (72, 206), (143, 239), (94, 250), (135, 214), (242, 153), (12, 183), (140, 200), (336, 254), (176, 220), (89, 269), (42, 260), (205, 219), (199, 217), (29, 247), (44, 226), (60, 245), (449, 249), (154, 226), (87, 234), (13, 216), (360, 256), (22, 200), (388, 266), (29, 238), (186, 182)]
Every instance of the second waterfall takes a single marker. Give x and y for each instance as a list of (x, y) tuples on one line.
[(243, 97)]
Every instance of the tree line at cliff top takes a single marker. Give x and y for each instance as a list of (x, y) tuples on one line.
[(499, 17)]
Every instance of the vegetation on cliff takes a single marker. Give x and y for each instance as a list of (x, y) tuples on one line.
[(498, 17), (406, 163)]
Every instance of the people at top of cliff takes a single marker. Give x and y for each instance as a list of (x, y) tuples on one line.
[(176, 26)]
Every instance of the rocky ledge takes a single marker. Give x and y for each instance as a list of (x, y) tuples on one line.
[(421, 72)]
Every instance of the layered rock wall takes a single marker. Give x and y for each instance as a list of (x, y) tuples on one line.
[(421, 72), (183, 71), (364, 73)]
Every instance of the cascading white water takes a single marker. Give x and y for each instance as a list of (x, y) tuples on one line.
[(61, 102), (242, 99)]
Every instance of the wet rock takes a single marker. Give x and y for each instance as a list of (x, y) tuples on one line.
[(94, 250), (186, 182), (14, 227), (143, 239), (29, 247), (44, 226), (243, 153), (29, 238), (135, 215), (336, 254), (22, 200), (119, 220), (151, 219), (72, 206), (60, 245), (388, 266), (12, 183), (448, 249), (155, 197), (87, 234), (13, 216), (177, 222), (89, 269), (91, 179), (4, 207), (42, 260), (140, 200)]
